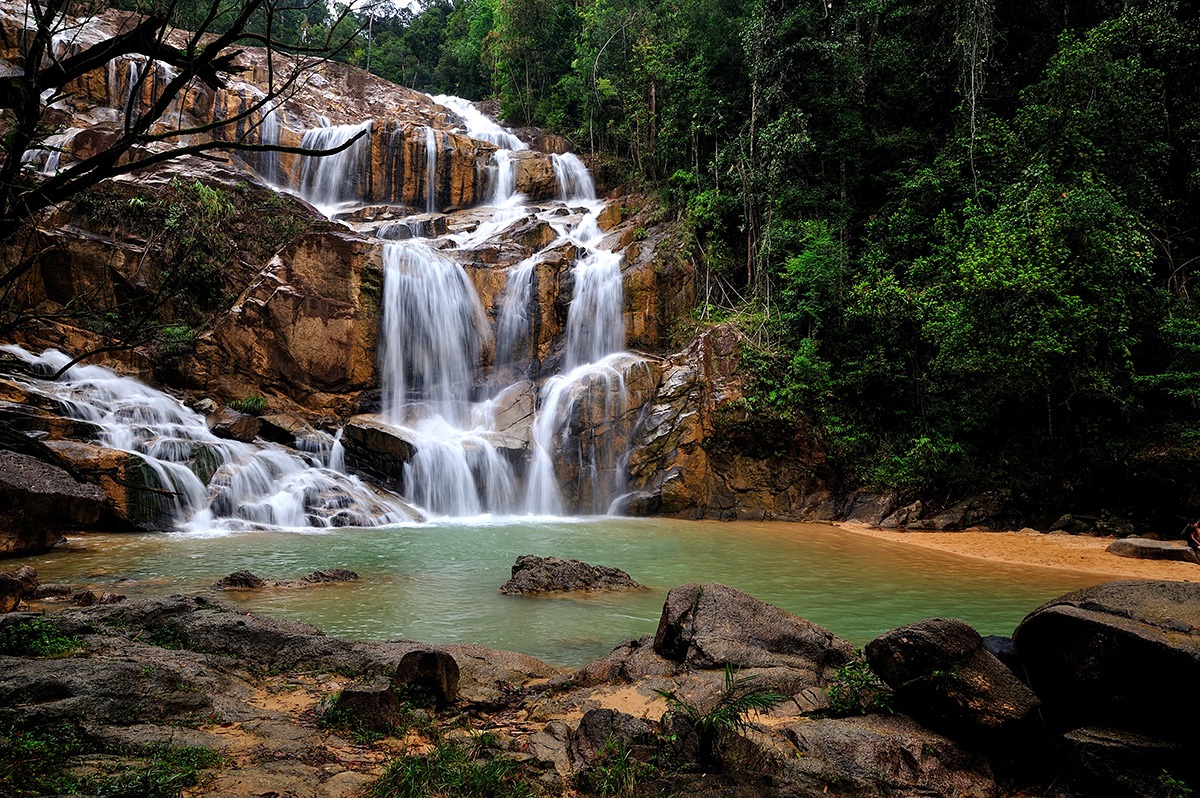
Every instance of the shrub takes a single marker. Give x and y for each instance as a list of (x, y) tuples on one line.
[(856, 690), (253, 404), (36, 638)]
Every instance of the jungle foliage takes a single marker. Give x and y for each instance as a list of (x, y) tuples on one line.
[(969, 226)]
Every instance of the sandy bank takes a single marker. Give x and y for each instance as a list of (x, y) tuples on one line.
[(1080, 554)]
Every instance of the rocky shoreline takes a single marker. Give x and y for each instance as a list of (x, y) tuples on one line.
[(731, 696)]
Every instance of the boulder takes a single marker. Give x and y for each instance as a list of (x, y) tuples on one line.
[(532, 574), (427, 676), (28, 576), (943, 675), (84, 598), (330, 575), (710, 626), (93, 691), (374, 706), (231, 424), (51, 590), (1146, 549), (10, 592), (631, 661), (1112, 762), (132, 495), (1099, 656), (603, 728), (878, 755), (111, 598), (41, 501), (240, 580), (378, 448)]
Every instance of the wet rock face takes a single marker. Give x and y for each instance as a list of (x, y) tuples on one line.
[(307, 327), (1086, 655), (41, 502), (698, 454), (132, 498), (533, 574), (944, 676)]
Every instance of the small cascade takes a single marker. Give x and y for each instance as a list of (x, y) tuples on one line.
[(512, 334), (269, 130), (574, 181), (47, 159), (477, 125), (210, 484), (502, 178), (337, 453), (595, 324), (568, 436), (431, 148), (329, 180), (433, 324)]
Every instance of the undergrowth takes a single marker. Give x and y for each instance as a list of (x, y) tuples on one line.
[(36, 638)]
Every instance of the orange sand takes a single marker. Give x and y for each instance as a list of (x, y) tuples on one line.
[(1068, 552)]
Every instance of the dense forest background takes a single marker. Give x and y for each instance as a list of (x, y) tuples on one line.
[(959, 234)]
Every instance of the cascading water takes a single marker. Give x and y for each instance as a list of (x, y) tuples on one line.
[(430, 170), (328, 180), (209, 484), (434, 330), (268, 133), (432, 325), (574, 180)]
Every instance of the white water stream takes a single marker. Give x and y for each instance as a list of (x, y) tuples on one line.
[(483, 441), (468, 460), (209, 484)]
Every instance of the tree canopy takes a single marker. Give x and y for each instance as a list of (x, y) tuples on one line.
[(967, 227)]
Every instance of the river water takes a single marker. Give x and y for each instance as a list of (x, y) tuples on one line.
[(437, 582)]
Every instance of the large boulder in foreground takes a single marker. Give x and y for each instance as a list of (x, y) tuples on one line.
[(878, 755), (710, 626), (1100, 656), (533, 574), (943, 675), (40, 502)]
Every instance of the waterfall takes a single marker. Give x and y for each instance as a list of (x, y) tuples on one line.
[(503, 178), (512, 334), (477, 125), (574, 180), (337, 453), (430, 170), (328, 180), (432, 326), (596, 392), (268, 133), (210, 484)]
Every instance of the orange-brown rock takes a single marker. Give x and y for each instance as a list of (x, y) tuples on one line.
[(699, 454), (308, 326), (132, 498)]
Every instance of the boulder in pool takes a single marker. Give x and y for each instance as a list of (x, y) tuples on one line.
[(944, 676), (713, 625), (1122, 655), (1146, 549), (533, 574), (240, 580)]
